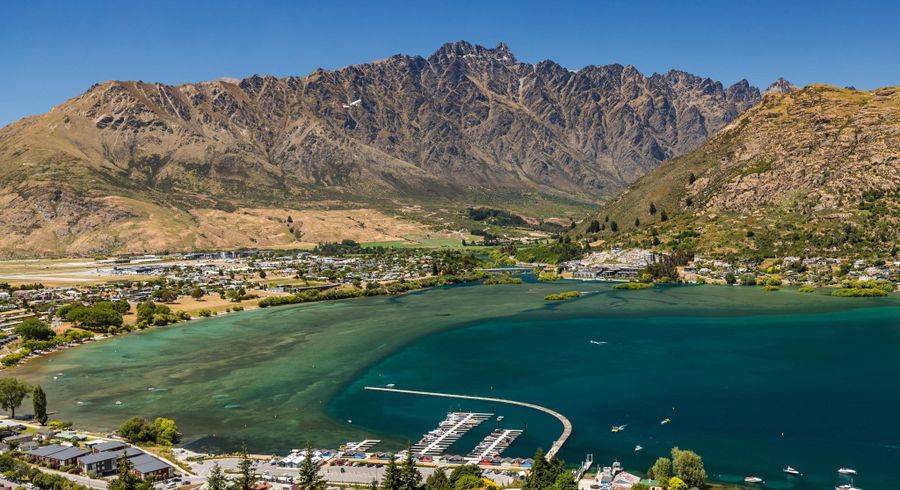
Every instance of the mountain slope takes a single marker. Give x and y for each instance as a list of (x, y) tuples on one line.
[(466, 125), (809, 172)]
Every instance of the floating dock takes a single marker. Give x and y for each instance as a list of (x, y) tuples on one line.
[(361, 446), (493, 445), (557, 444), (435, 442)]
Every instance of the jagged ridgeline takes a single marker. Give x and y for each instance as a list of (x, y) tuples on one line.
[(134, 166), (809, 172)]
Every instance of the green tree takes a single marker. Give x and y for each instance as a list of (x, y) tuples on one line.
[(461, 471), (39, 399), (410, 478), (468, 482), (216, 479), (12, 392), (308, 475), (652, 209), (34, 329), (594, 227), (127, 480), (245, 479), (692, 178), (688, 466), (196, 293), (614, 227), (730, 278), (665, 217), (165, 295), (392, 478), (661, 470), (544, 473), (164, 431), (438, 481), (565, 481), (676, 483), (637, 222)]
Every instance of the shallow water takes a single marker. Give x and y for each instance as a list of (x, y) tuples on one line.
[(753, 381)]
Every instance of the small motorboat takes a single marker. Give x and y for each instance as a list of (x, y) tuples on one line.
[(752, 479), (665, 421), (846, 487), (638, 448), (791, 471), (390, 385), (499, 418), (847, 471), (618, 428), (597, 342)]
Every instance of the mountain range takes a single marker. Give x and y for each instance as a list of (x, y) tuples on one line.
[(131, 166)]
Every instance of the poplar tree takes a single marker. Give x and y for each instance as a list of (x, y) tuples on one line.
[(39, 399)]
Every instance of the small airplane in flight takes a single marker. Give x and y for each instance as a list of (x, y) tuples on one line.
[(352, 104)]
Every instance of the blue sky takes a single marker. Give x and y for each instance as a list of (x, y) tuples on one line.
[(52, 51)]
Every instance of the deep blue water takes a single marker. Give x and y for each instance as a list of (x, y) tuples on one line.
[(814, 384)]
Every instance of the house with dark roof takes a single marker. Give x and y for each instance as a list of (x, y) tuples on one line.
[(28, 446), (104, 462), (67, 457), (18, 438), (108, 446), (147, 466), (40, 454)]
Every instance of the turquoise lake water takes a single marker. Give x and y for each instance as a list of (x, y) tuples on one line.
[(753, 381)]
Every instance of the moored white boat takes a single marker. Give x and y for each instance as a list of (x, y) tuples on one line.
[(847, 471), (791, 471), (752, 479)]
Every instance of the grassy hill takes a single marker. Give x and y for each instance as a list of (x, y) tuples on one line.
[(811, 172)]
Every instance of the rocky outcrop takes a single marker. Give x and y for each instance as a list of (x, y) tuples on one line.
[(780, 86)]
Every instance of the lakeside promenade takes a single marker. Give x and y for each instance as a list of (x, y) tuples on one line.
[(555, 447)]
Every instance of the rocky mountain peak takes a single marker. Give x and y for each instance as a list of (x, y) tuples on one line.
[(463, 49), (780, 86)]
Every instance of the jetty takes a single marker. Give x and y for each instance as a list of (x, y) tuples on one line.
[(435, 442), (554, 448), (495, 443), (359, 446)]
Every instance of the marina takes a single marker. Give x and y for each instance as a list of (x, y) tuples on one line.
[(493, 445), (554, 448), (436, 441)]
